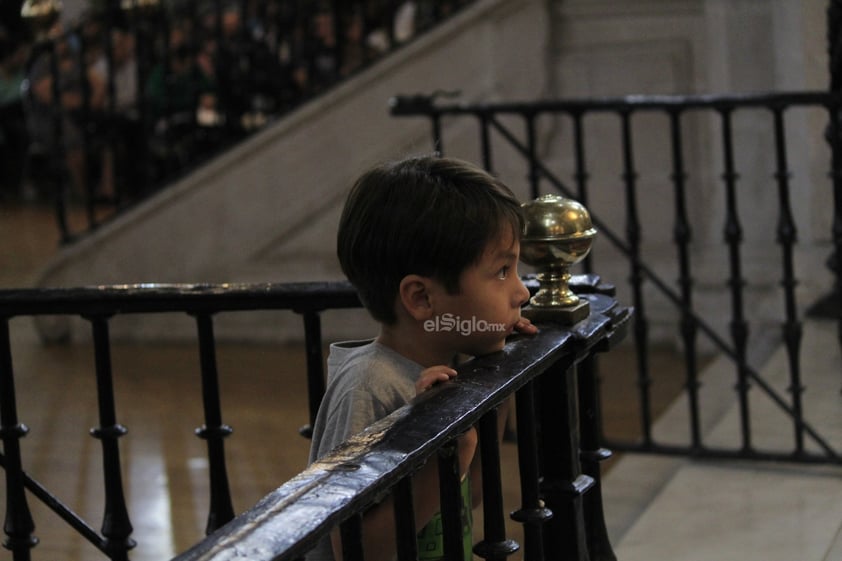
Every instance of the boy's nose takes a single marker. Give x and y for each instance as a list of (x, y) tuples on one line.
[(522, 293)]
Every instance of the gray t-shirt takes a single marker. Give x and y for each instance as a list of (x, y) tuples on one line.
[(366, 381)]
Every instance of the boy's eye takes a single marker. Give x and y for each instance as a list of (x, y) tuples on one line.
[(503, 272)]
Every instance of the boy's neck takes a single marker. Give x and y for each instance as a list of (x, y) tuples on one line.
[(414, 344)]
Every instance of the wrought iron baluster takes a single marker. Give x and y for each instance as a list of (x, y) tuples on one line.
[(18, 526), (836, 175), (485, 141), (787, 236), (451, 502), (534, 176), (438, 139), (351, 532), (633, 234), (581, 173), (532, 513), (593, 454), (494, 545), (563, 484), (835, 130), (405, 534), (315, 367), (683, 235), (734, 238), (830, 306), (116, 526), (213, 431)]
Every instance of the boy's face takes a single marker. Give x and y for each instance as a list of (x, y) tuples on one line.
[(478, 319)]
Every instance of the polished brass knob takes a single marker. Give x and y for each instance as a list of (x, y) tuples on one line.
[(557, 234)]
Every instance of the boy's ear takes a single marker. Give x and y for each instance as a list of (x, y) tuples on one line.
[(414, 295)]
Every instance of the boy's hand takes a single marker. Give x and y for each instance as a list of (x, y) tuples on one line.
[(525, 326), (431, 376)]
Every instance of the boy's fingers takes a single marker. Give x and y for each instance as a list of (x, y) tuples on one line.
[(525, 326), (443, 372), (433, 375)]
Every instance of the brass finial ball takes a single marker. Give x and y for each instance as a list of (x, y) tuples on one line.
[(557, 234)]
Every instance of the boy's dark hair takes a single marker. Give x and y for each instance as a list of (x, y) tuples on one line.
[(426, 215)]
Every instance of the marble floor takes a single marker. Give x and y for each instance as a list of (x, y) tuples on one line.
[(656, 508), (694, 510)]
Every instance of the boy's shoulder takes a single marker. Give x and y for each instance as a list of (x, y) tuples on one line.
[(370, 364)]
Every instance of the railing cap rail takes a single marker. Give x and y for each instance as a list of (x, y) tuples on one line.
[(205, 297), (422, 105), (162, 297)]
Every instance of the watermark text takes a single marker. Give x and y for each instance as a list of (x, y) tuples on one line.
[(463, 326)]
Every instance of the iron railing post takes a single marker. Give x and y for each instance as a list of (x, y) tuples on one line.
[(563, 483), (315, 368), (214, 431), (18, 526), (593, 454), (682, 236), (733, 234), (405, 534), (116, 525), (787, 236), (450, 495), (533, 513), (636, 277), (494, 545)]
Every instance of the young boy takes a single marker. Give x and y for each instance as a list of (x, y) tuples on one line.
[(431, 245)]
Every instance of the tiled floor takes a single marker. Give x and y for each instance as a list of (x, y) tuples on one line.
[(706, 510), (657, 508)]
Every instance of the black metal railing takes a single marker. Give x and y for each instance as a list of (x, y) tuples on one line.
[(99, 306), (554, 476), (515, 126), (148, 91), (558, 450)]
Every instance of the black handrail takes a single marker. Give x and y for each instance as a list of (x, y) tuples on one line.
[(287, 523)]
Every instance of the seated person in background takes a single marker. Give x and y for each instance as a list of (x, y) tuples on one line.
[(76, 99), (14, 139), (182, 105), (419, 239), (186, 87), (122, 128)]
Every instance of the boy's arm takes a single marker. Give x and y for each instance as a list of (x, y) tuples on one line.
[(379, 521)]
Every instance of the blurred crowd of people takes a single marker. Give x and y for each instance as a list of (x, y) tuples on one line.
[(138, 97)]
